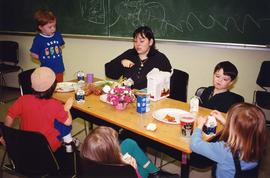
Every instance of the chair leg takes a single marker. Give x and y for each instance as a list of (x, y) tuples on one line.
[(83, 130), (2, 85), (3, 159), (3, 100), (9, 166), (75, 163), (85, 127), (161, 161)]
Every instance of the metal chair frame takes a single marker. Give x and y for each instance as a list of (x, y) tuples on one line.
[(9, 59)]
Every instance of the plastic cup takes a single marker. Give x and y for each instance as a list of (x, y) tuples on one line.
[(187, 124), (142, 101), (90, 78)]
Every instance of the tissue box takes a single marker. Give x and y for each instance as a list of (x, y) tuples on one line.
[(158, 84)]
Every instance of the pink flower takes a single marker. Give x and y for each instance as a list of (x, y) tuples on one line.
[(120, 94)]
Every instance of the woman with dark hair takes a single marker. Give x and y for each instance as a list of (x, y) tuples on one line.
[(137, 62)]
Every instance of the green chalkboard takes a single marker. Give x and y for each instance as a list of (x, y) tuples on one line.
[(221, 21)]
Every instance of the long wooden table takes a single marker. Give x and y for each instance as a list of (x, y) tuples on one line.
[(167, 134)]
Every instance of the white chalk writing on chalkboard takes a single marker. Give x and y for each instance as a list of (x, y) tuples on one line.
[(140, 12), (93, 11)]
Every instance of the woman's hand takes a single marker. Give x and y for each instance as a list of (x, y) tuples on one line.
[(200, 122), (218, 116), (127, 63), (68, 104)]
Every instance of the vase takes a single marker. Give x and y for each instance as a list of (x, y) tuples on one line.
[(121, 106)]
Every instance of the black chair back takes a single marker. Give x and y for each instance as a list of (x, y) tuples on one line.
[(8, 60), (262, 99), (29, 152), (199, 91), (263, 79), (178, 85), (9, 52), (91, 169), (25, 81)]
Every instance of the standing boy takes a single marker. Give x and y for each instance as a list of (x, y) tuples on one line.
[(48, 44)]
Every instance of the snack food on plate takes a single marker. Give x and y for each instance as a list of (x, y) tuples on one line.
[(169, 118), (91, 88)]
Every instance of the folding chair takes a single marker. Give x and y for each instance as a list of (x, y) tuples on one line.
[(91, 169), (25, 84), (262, 98), (9, 60), (199, 91), (178, 85), (30, 153)]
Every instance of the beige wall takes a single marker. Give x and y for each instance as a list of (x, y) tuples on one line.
[(90, 55)]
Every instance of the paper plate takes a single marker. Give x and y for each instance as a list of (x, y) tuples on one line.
[(169, 115), (66, 86)]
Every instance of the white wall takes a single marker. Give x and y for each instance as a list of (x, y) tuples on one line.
[(90, 55)]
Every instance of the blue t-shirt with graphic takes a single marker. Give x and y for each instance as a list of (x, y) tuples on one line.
[(48, 48)]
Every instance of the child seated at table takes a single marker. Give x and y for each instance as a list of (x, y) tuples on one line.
[(218, 96), (241, 145), (41, 113), (102, 145)]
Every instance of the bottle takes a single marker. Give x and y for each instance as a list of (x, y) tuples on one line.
[(210, 126), (194, 105), (80, 96), (80, 76)]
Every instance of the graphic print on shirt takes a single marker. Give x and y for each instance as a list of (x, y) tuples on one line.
[(52, 51)]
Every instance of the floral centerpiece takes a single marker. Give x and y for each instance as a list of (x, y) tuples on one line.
[(120, 96)]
